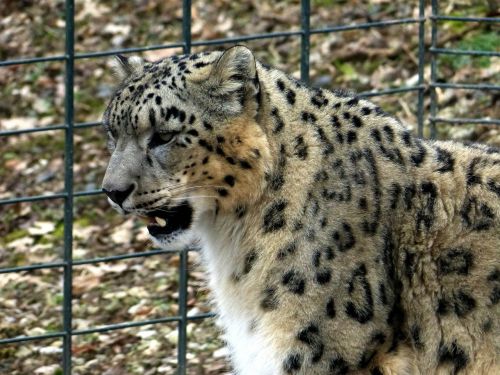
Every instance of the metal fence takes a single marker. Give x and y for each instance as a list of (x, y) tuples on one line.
[(68, 195)]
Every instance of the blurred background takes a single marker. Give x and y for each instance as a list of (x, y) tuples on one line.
[(31, 164)]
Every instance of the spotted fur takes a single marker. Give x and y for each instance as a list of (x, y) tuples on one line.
[(335, 241)]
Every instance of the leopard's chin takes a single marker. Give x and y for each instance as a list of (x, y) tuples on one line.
[(168, 221)]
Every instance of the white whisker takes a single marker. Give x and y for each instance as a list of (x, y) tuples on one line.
[(187, 187), (195, 196), (177, 193), (163, 209)]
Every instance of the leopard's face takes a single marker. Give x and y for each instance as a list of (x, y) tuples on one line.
[(184, 142)]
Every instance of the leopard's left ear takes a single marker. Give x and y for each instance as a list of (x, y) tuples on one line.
[(232, 81), (124, 66)]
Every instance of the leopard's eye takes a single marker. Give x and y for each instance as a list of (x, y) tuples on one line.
[(160, 139)]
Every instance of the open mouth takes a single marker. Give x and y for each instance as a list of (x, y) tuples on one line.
[(171, 219)]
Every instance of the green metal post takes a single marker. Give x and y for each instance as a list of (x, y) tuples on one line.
[(68, 185), (421, 64), (186, 25), (183, 264), (183, 286), (305, 40), (433, 96)]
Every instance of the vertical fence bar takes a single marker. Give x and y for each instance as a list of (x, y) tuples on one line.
[(68, 183), (305, 40), (421, 64), (186, 25), (183, 263), (69, 59), (183, 286), (433, 96)]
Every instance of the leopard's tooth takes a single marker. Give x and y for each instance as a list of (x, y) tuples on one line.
[(161, 222)]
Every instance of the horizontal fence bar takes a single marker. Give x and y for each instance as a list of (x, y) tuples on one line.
[(245, 38), (451, 51), (199, 43), (88, 55), (14, 340), (465, 120), (40, 266), (181, 318), (114, 258), (300, 32), (33, 198), (395, 90), (6, 133), (465, 19), (87, 193), (107, 53), (32, 60), (201, 316), (107, 328), (364, 94), (114, 327), (368, 25), (85, 125), (469, 86), (81, 125), (82, 262)]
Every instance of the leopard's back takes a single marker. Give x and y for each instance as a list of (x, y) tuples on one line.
[(335, 241)]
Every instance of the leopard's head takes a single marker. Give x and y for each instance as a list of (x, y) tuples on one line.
[(185, 142)]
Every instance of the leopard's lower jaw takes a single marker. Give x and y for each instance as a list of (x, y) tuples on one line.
[(177, 240), (170, 220)]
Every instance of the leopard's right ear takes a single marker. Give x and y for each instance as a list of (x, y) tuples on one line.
[(230, 83), (124, 66)]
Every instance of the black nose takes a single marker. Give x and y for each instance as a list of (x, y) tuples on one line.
[(118, 196)]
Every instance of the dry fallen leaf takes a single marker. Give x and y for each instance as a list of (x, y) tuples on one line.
[(40, 228)]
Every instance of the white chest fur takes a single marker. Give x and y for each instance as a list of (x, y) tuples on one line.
[(251, 351)]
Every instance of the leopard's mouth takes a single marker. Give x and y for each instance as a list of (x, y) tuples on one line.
[(168, 220)]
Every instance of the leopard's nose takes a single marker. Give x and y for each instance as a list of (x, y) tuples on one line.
[(119, 196)]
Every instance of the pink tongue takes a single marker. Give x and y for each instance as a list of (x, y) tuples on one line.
[(151, 220)]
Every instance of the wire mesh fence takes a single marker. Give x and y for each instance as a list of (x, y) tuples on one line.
[(68, 195)]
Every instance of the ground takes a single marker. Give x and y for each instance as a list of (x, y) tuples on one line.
[(33, 95)]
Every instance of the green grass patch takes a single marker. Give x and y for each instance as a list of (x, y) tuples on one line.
[(486, 41), (15, 235)]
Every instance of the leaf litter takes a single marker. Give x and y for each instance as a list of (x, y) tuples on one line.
[(147, 288)]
